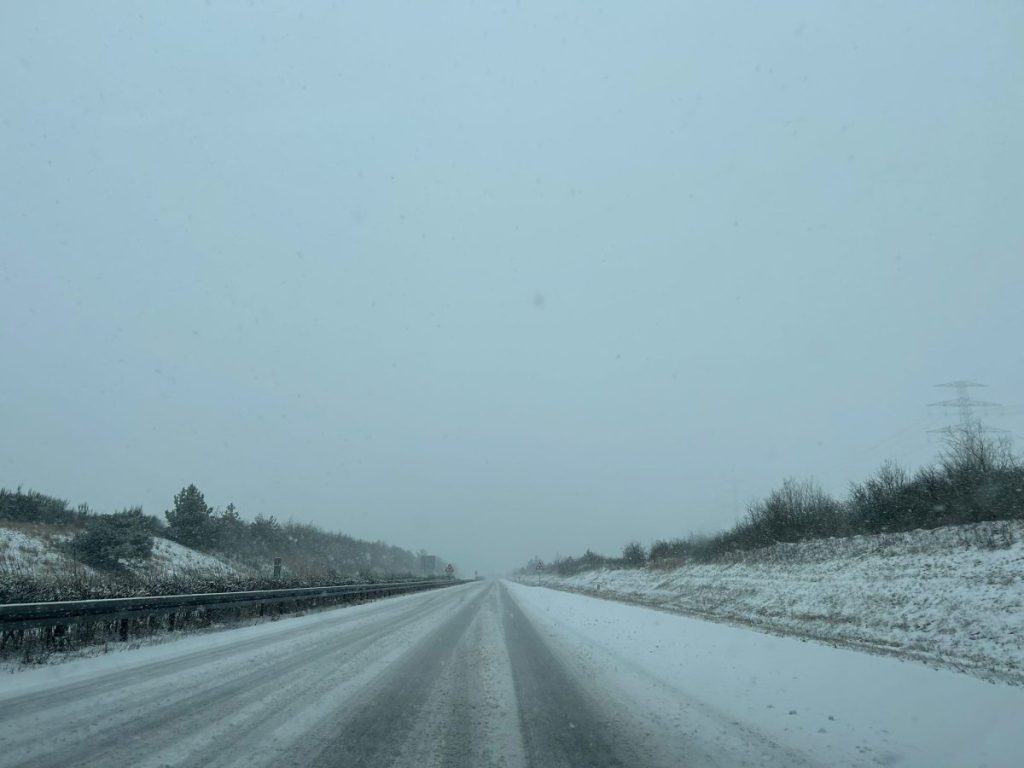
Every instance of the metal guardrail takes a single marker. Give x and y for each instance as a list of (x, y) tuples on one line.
[(15, 616)]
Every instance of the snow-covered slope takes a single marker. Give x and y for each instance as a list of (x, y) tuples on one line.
[(951, 596), (171, 557), (35, 550)]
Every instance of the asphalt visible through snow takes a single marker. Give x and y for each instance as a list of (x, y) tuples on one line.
[(455, 677)]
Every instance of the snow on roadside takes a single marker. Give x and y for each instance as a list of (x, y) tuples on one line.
[(835, 706), (950, 596)]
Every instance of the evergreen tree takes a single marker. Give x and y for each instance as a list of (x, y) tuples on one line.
[(633, 554), (110, 539), (191, 521)]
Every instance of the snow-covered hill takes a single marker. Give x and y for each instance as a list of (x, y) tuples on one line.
[(171, 557), (952, 596), (36, 550)]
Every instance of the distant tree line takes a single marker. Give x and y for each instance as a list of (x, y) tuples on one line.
[(110, 541), (303, 548), (976, 478)]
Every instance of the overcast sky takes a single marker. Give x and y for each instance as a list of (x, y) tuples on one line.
[(501, 279)]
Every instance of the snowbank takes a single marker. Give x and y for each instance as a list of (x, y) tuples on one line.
[(951, 596)]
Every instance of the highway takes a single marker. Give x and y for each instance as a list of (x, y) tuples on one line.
[(458, 677)]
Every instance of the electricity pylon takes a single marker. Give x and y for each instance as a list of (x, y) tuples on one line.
[(966, 405)]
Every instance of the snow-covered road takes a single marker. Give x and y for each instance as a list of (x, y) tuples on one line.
[(502, 675)]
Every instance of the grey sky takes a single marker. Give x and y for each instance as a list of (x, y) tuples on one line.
[(500, 279)]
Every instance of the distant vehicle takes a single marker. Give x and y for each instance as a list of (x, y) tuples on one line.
[(429, 565)]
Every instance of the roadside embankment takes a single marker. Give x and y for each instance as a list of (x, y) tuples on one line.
[(952, 597)]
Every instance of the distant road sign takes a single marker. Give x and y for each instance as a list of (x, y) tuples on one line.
[(450, 569), (540, 565)]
